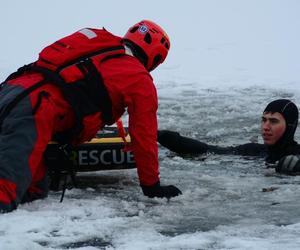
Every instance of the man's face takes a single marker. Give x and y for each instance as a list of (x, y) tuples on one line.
[(272, 127)]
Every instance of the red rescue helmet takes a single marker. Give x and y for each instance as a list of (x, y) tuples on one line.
[(152, 40)]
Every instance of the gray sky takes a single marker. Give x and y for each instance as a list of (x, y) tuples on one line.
[(209, 37)]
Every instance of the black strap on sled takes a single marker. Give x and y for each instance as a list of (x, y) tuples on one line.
[(66, 151)]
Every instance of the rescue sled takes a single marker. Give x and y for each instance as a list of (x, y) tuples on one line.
[(104, 152)]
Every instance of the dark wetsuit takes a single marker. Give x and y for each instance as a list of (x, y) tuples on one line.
[(284, 154), (184, 145)]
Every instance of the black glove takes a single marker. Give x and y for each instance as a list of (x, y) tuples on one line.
[(159, 191), (289, 164)]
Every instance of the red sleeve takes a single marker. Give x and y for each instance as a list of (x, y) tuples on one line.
[(131, 86), (142, 107)]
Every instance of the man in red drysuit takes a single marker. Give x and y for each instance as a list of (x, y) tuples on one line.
[(72, 100)]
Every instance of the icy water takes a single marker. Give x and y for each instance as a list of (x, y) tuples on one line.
[(228, 202)]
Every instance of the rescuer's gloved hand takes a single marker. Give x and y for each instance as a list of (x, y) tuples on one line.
[(159, 191), (289, 164)]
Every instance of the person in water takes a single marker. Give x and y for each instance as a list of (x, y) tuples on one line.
[(278, 126)]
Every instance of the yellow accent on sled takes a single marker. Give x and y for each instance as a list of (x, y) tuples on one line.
[(109, 140), (104, 140)]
